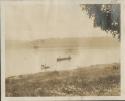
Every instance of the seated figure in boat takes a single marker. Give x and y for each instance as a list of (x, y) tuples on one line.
[(44, 67), (65, 58)]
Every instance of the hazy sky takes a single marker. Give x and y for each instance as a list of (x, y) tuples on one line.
[(51, 19)]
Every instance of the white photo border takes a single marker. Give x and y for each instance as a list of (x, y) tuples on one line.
[(122, 52)]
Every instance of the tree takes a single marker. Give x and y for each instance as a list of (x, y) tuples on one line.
[(105, 16)]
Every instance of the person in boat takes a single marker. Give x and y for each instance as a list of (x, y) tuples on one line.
[(44, 67), (66, 58)]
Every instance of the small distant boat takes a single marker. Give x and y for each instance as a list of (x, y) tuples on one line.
[(65, 58), (44, 67), (35, 47)]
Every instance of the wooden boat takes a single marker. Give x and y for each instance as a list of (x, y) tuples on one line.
[(44, 67), (65, 58), (35, 47)]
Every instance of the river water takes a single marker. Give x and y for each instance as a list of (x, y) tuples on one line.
[(26, 61)]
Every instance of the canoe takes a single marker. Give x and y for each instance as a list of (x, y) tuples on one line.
[(65, 58)]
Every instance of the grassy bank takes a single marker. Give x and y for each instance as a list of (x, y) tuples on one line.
[(96, 80)]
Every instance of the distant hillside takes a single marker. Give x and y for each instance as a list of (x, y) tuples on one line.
[(92, 42)]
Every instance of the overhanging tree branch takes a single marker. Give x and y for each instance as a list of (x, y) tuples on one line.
[(105, 16)]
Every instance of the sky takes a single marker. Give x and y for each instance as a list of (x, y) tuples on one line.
[(32, 21)]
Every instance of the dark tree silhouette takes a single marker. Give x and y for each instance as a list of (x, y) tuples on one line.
[(105, 16)]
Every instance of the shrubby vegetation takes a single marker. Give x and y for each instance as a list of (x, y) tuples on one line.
[(97, 80)]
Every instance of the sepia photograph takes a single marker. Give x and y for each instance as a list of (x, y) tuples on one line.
[(62, 48)]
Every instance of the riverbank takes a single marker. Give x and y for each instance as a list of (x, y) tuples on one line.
[(95, 80)]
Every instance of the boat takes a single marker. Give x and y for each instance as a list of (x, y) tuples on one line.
[(44, 67), (35, 47), (65, 58)]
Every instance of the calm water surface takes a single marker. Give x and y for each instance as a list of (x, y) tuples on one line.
[(24, 61)]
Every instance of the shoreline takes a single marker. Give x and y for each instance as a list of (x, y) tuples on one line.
[(63, 70), (96, 80)]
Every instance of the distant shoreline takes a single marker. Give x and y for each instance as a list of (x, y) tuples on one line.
[(93, 42)]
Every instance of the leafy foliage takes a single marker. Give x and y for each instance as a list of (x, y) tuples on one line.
[(105, 16)]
